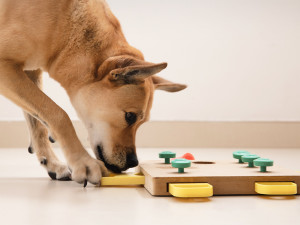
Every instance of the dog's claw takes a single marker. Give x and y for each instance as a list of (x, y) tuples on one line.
[(30, 150), (44, 161), (85, 183), (51, 139), (53, 177)]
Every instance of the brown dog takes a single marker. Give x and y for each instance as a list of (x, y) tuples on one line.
[(81, 45)]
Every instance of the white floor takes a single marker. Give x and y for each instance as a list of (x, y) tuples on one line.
[(28, 196)]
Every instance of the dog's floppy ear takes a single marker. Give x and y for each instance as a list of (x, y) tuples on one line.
[(165, 85), (136, 73)]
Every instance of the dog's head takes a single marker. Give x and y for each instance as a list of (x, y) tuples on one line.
[(116, 103)]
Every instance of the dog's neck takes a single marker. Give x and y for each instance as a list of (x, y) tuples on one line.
[(94, 37)]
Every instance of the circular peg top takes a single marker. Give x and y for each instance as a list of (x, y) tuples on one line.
[(167, 155), (238, 155), (181, 164), (263, 163), (249, 158)]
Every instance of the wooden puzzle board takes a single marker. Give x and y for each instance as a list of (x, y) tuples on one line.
[(227, 178)]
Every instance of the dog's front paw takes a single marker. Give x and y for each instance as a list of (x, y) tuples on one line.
[(56, 169), (87, 169)]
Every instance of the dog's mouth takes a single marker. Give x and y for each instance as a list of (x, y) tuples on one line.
[(111, 167)]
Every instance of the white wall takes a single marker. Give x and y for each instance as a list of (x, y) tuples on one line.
[(239, 58)]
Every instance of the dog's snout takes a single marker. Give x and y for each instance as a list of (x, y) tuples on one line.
[(131, 160)]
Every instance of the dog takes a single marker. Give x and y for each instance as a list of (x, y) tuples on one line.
[(81, 45)]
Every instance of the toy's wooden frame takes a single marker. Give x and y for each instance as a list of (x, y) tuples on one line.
[(227, 178)]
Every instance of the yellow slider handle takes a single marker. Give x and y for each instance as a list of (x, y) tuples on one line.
[(123, 179), (276, 188), (191, 190)]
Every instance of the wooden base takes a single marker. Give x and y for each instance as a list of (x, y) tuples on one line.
[(227, 178)]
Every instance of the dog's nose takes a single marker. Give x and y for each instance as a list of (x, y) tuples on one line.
[(131, 160)]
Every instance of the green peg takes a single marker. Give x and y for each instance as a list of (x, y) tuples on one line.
[(249, 158), (181, 164), (238, 155), (263, 163), (167, 155)]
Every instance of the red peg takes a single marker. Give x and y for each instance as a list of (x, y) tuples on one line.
[(188, 156)]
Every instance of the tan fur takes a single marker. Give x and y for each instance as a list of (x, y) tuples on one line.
[(81, 45)]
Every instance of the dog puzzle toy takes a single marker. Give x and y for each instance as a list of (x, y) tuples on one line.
[(276, 188), (167, 155), (249, 158), (180, 164), (123, 179), (238, 155), (263, 163), (187, 190), (205, 179), (188, 156)]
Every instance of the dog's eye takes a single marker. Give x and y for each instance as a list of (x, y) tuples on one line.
[(130, 117)]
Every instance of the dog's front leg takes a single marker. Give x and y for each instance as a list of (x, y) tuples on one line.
[(39, 143), (15, 85)]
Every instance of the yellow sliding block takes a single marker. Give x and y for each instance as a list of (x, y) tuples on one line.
[(123, 179), (276, 188), (188, 190)]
